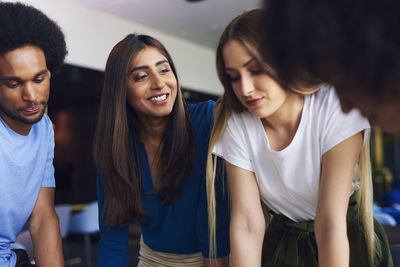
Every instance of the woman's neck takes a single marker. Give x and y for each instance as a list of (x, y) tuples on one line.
[(288, 115), (152, 129), (152, 135), (282, 126)]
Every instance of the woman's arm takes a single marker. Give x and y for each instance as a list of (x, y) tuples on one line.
[(338, 166), (45, 230), (247, 227)]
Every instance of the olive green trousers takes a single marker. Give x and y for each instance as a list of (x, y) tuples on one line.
[(289, 243)]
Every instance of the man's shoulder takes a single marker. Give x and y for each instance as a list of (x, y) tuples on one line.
[(45, 121), (44, 124)]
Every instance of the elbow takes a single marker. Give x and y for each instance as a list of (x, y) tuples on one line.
[(326, 227), (48, 221), (258, 227), (253, 226)]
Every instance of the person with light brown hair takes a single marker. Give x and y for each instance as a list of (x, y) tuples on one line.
[(292, 150)]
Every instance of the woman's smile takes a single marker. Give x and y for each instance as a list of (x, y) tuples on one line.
[(159, 99)]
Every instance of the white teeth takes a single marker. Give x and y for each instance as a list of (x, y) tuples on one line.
[(158, 98)]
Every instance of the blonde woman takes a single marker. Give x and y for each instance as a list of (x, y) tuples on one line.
[(295, 151)]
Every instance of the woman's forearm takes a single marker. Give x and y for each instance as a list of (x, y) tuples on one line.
[(333, 249), (246, 247)]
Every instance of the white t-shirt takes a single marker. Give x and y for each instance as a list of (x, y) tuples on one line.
[(288, 180)]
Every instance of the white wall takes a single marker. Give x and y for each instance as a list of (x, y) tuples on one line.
[(90, 36)]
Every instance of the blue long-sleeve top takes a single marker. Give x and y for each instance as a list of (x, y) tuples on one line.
[(180, 227)]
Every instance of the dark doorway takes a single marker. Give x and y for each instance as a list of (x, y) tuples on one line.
[(74, 98)]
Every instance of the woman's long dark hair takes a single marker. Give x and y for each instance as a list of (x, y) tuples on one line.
[(117, 147)]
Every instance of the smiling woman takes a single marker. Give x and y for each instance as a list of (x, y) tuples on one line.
[(150, 149), (152, 86)]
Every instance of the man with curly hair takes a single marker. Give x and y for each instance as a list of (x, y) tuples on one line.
[(353, 45), (32, 47)]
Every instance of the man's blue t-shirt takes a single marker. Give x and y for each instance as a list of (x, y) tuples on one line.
[(26, 165), (180, 227)]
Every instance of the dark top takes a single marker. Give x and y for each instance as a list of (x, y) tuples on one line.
[(181, 227)]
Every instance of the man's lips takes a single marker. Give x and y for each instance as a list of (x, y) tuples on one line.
[(32, 109)]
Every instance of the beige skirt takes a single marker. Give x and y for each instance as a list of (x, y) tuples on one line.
[(151, 258)]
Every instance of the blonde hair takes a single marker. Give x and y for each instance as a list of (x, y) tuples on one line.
[(243, 29), (364, 203), (221, 116)]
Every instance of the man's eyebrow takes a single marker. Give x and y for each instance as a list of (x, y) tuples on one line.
[(146, 67), (16, 79), (10, 79), (41, 73)]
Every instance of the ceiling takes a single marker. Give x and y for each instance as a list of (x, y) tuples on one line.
[(199, 22)]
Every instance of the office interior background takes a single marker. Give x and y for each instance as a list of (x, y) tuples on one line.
[(190, 31)]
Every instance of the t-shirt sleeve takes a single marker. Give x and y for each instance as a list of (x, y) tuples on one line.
[(337, 126), (113, 244), (233, 146), (48, 179)]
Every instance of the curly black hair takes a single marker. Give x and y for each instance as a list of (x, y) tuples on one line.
[(339, 42), (22, 25)]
